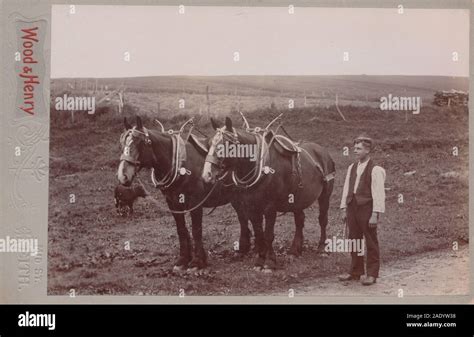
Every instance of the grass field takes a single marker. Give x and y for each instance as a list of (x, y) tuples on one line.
[(86, 238)]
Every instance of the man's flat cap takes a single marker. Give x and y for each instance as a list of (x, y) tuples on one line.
[(364, 139)]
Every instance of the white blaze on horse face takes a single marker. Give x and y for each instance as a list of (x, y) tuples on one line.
[(120, 173), (123, 173), (207, 170), (207, 173), (126, 171)]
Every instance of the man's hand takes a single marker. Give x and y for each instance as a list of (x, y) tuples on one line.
[(373, 220), (344, 214)]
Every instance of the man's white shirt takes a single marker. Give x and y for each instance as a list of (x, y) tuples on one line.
[(377, 187)]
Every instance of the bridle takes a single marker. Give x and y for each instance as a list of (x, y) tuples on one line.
[(255, 174), (225, 135), (172, 176), (175, 171), (168, 179), (129, 137), (212, 158)]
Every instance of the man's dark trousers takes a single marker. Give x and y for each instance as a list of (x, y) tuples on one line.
[(358, 222)]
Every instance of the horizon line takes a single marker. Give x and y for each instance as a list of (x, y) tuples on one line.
[(276, 75)]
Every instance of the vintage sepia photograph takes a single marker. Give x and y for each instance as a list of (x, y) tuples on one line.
[(258, 151)]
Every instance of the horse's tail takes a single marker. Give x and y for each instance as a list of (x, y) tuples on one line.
[(321, 159), (325, 197), (329, 169), (328, 178)]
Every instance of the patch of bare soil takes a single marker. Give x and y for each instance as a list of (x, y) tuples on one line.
[(442, 272)]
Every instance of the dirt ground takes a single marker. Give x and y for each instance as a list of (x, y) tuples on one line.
[(442, 272)]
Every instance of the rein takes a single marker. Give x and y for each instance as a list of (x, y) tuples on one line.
[(150, 197)]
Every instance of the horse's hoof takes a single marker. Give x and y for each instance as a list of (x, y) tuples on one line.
[(257, 268), (192, 270), (237, 256), (295, 252), (324, 254), (259, 262), (267, 270), (292, 257), (197, 264), (269, 264), (243, 250), (178, 268)]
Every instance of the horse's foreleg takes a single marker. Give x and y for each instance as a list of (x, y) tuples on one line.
[(297, 245), (244, 241), (185, 246), (200, 258), (257, 219), (323, 201), (270, 257)]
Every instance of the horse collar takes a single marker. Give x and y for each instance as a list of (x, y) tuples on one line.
[(178, 157), (260, 166)]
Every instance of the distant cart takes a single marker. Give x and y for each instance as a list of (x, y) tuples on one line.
[(451, 97)]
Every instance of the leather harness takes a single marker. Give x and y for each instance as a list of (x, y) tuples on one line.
[(293, 149)]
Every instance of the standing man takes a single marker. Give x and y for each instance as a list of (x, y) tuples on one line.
[(363, 200)]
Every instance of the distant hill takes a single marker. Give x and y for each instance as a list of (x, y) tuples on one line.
[(350, 87), (254, 92)]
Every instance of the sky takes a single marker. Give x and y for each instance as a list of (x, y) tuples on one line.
[(93, 41)]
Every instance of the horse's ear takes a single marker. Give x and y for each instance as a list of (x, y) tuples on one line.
[(228, 124), (139, 123), (126, 124), (215, 124)]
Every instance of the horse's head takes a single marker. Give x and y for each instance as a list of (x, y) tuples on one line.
[(216, 161), (136, 150)]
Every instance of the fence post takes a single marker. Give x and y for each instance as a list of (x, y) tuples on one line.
[(337, 107), (208, 101)]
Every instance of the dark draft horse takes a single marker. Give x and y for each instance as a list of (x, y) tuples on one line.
[(285, 178), (182, 187)]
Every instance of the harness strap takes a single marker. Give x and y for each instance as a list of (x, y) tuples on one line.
[(212, 159), (170, 178), (326, 177), (128, 158), (257, 171)]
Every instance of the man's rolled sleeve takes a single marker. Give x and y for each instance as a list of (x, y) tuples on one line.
[(378, 189)]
